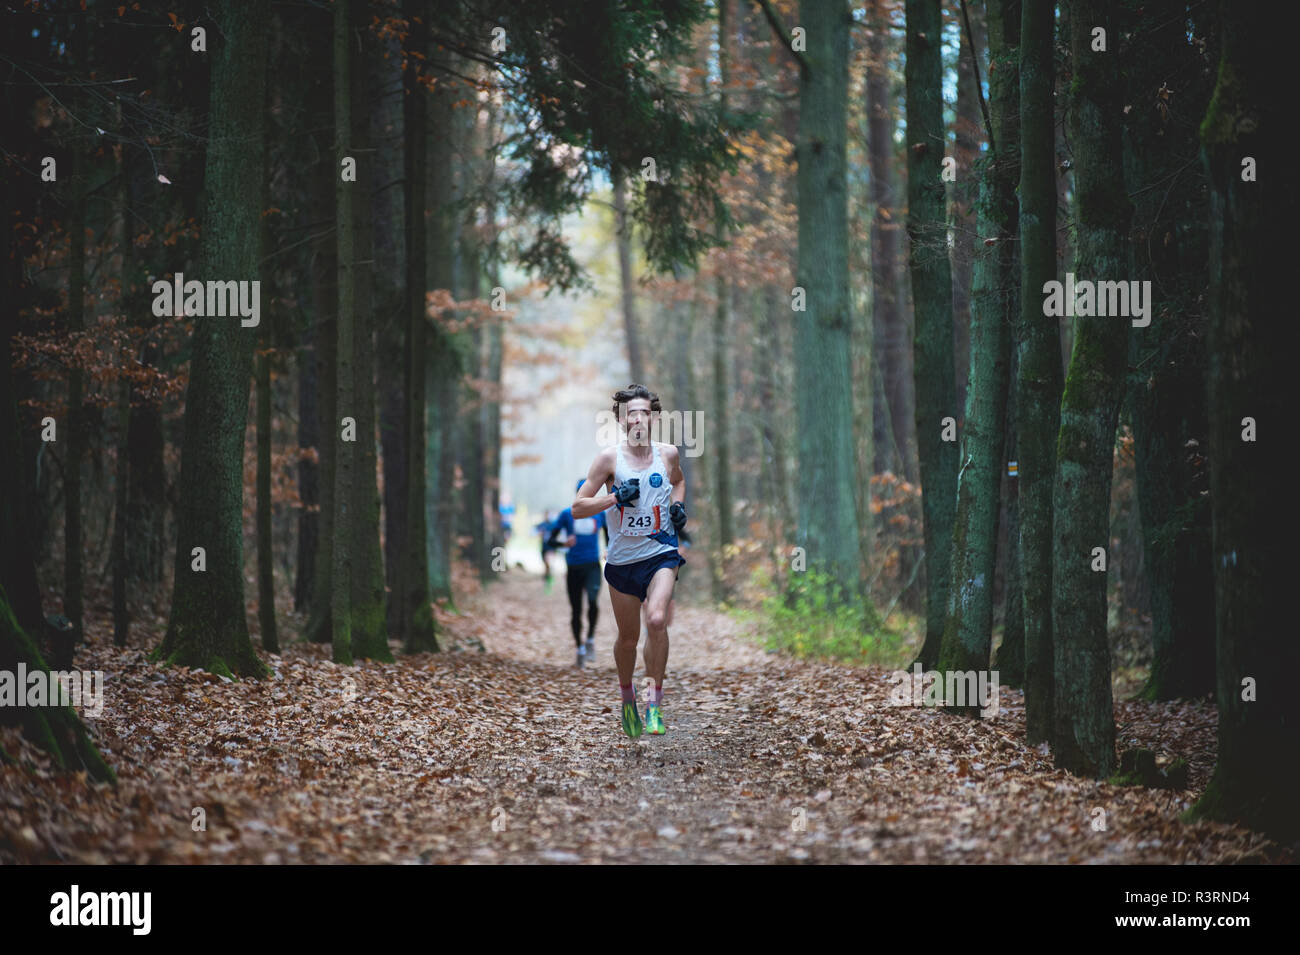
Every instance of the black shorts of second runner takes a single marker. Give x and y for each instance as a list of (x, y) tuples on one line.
[(634, 579), (584, 577)]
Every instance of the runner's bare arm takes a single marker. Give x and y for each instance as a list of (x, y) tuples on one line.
[(673, 465), (589, 503)]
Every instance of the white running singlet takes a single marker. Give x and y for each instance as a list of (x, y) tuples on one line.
[(643, 528)]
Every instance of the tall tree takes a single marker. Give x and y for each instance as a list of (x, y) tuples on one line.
[(388, 94), (963, 192), (207, 626), (623, 226), (1083, 738), (345, 188), (823, 380), (76, 429), (722, 396), (443, 368), (262, 386), (1038, 361), (1167, 83), (17, 497), (416, 622), (968, 633), (932, 344), (887, 296), (369, 638), (1253, 194)]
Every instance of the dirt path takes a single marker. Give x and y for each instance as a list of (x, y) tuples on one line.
[(515, 755)]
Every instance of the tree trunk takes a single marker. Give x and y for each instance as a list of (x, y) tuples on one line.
[(828, 529), (1084, 725), (17, 504), (388, 93), (1038, 359), (76, 437), (886, 274), (624, 231), (207, 627), (968, 133), (968, 633), (56, 729), (1167, 399), (1251, 268), (121, 615), (265, 560), (325, 306), (936, 393), (443, 370), (417, 624), (344, 343), (369, 629), (1010, 660), (309, 436)]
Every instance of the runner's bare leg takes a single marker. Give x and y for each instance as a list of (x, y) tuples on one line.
[(627, 616), (657, 606)]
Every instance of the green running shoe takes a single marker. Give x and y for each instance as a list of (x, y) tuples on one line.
[(631, 720), (653, 724)]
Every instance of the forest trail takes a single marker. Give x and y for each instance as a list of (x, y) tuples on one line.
[(515, 755)]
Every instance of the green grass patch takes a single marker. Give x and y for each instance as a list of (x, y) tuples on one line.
[(813, 620)]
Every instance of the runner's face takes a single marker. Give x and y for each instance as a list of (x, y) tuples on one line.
[(638, 421)]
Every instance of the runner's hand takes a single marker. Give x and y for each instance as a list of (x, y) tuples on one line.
[(678, 514), (627, 493)]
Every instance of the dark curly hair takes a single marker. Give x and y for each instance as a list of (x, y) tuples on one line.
[(625, 395)]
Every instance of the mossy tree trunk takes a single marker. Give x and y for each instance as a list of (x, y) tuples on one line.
[(932, 342), (207, 626), (369, 604), (1251, 266), (828, 527), (56, 729), (1083, 723), (968, 631), (1038, 362)]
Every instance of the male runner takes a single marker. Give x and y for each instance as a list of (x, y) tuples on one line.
[(583, 560), (647, 488)]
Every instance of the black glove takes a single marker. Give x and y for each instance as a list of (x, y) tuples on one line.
[(625, 494), (678, 514)]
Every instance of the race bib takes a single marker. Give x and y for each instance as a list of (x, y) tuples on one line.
[(641, 521)]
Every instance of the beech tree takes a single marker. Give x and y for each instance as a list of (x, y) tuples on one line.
[(1083, 739), (207, 627), (1252, 196), (932, 341), (968, 632), (1038, 361)]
